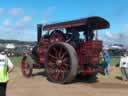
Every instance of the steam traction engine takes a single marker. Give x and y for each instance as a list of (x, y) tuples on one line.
[(66, 49)]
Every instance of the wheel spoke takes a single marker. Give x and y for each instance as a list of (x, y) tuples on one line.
[(61, 76), (60, 51), (62, 68), (52, 56), (65, 60), (26, 65), (51, 65), (57, 75), (51, 70), (53, 60), (63, 55), (53, 74), (23, 65), (66, 65), (55, 51)]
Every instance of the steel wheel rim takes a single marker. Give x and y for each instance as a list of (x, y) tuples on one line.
[(58, 65)]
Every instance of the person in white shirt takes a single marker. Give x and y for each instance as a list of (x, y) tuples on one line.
[(124, 66), (6, 67)]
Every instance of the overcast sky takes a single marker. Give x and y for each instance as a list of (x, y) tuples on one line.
[(18, 18)]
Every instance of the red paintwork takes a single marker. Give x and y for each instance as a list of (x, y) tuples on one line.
[(44, 43), (91, 50), (88, 51), (41, 51)]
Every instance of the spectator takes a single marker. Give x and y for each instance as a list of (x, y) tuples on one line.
[(6, 67), (124, 66), (102, 64), (107, 62)]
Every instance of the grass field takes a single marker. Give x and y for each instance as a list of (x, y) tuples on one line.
[(16, 60), (114, 61)]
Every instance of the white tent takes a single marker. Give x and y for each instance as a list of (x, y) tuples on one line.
[(10, 46)]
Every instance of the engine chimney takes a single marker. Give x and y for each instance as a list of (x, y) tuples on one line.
[(39, 31)]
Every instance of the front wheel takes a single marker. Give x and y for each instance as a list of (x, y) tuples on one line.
[(26, 66), (61, 63)]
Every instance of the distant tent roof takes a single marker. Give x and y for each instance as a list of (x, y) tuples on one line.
[(95, 23), (10, 46)]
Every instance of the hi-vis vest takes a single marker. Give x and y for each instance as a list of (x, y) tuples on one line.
[(3, 69)]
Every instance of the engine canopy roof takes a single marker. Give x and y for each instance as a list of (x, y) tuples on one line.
[(94, 23)]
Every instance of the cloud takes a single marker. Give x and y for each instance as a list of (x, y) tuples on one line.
[(23, 22), (48, 12), (125, 29), (16, 12), (22, 29), (1, 11), (109, 35), (4, 30), (7, 22), (1, 29), (110, 38), (44, 22), (119, 11), (18, 25)]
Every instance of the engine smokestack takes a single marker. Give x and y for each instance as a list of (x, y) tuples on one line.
[(39, 31)]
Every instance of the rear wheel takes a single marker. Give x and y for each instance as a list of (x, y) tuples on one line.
[(61, 63), (26, 66)]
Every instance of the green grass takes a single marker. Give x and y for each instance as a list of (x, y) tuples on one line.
[(16, 60), (114, 61)]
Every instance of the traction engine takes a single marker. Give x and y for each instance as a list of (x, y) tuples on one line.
[(66, 49)]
